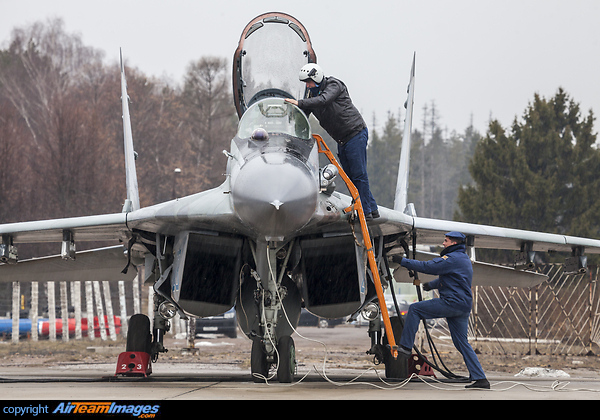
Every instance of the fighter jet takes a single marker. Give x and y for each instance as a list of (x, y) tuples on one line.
[(276, 236)]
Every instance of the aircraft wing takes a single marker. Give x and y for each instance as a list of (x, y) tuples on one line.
[(206, 211), (85, 228), (484, 274), (94, 265), (431, 232)]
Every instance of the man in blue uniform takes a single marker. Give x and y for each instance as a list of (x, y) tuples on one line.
[(330, 102), (455, 272)]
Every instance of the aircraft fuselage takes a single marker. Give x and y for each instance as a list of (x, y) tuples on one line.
[(273, 170)]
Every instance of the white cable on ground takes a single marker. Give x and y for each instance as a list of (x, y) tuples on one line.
[(556, 386)]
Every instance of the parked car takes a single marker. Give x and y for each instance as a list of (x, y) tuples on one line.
[(402, 306), (307, 319), (219, 324)]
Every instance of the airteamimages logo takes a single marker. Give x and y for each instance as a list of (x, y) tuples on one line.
[(142, 411)]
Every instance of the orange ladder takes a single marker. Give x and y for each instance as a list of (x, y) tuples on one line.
[(367, 239)]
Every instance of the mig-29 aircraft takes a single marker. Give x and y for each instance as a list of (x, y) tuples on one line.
[(275, 236)]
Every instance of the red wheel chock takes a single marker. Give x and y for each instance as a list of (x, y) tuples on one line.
[(134, 363), (419, 366)]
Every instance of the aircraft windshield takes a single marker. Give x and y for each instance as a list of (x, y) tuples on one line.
[(273, 125), (275, 116)]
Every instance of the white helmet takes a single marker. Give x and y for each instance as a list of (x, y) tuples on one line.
[(311, 71)]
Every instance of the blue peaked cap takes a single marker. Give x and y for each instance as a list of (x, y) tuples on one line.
[(456, 235)]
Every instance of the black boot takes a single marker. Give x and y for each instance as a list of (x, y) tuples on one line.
[(480, 384)]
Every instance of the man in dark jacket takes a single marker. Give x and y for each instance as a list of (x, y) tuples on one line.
[(455, 272), (330, 102)]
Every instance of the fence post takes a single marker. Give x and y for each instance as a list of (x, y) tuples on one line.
[(592, 281), (137, 307), (530, 333), (109, 311), (51, 310), (536, 320), (16, 293), (76, 299), (533, 320), (64, 310), (33, 313), (89, 305), (123, 305), (100, 310), (476, 313)]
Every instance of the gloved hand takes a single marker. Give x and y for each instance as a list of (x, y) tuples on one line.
[(426, 287), (397, 259)]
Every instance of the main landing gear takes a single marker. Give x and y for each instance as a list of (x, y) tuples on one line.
[(136, 360), (143, 345)]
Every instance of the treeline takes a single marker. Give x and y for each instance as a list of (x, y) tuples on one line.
[(61, 133), (438, 164), (539, 174)]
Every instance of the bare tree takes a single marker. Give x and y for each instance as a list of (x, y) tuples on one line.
[(211, 117)]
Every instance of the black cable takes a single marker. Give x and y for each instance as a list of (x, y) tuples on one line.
[(433, 349)]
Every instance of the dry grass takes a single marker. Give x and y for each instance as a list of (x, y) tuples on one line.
[(28, 352)]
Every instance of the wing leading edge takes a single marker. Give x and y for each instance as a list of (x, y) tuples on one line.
[(86, 228), (431, 232), (484, 274)]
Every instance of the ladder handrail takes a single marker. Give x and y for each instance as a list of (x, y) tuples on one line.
[(367, 239)]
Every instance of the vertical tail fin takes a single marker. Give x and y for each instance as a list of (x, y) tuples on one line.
[(403, 168), (133, 196)]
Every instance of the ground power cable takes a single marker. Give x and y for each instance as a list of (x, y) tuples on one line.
[(445, 371), (556, 386)]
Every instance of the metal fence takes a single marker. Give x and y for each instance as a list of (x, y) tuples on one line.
[(104, 307), (560, 316)]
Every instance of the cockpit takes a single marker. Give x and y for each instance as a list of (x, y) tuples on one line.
[(274, 115), (273, 125)]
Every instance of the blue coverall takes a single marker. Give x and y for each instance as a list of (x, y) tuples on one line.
[(455, 272)]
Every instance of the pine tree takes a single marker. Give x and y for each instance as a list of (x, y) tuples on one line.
[(383, 156), (542, 175)]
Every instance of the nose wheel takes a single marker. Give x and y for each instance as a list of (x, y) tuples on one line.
[(286, 366), (287, 359), (259, 366)]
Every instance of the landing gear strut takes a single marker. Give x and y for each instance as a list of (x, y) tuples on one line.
[(276, 310)]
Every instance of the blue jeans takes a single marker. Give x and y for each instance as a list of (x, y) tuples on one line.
[(353, 157), (458, 323)]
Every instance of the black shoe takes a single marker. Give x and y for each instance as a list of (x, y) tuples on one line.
[(479, 384), (375, 214)]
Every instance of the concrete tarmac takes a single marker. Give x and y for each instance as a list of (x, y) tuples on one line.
[(185, 381), (219, 370)]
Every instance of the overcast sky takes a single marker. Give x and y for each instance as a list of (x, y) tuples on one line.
[(474, 57)]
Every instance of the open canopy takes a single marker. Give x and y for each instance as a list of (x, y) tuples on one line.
[(272, 49)]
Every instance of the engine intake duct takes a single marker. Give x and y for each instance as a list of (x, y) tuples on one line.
[(332, 286), (206, 272)]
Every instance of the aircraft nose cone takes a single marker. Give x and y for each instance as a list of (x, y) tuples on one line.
[(274, 197)]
